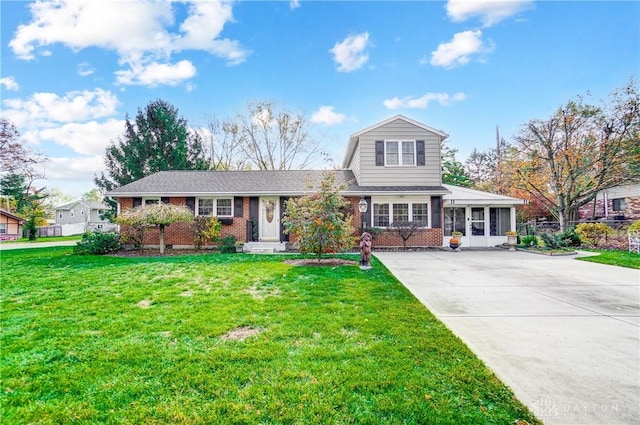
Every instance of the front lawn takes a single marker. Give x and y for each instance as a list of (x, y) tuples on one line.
[(614, 258), (89, 339)]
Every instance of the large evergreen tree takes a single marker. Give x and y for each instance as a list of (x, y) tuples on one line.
[(158, 140)]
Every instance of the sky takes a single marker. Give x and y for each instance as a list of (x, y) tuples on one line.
[(71, 71)]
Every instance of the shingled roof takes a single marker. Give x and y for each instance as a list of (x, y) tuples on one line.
[(258, 182)]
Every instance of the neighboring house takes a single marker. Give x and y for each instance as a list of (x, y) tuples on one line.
[(10, 226), (618, 203), (393, 165), (81, 216)]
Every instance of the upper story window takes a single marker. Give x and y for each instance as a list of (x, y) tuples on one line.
[(400, 153), (215, 207), (403, 153)]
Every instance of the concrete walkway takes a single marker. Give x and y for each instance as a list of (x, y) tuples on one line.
[(563, 334), (26, 245)]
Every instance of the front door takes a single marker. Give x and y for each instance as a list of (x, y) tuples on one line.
[(477, 234), (270, 218)]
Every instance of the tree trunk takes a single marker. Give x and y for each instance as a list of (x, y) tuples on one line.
[(162, 239)]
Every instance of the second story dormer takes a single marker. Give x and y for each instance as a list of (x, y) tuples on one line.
[(395, 152)]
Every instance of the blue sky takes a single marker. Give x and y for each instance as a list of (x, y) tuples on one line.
[(72, 70)]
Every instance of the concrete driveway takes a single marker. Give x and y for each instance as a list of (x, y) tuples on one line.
[(563, 334)]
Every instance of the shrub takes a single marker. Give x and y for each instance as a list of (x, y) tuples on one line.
[(97, 243), (635, 226), (529, 240), (228, 244), (205, 229), (553, 240), (374, 231), (133, 235), (571, 237), (593, 233)]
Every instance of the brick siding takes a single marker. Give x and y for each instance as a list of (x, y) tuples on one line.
[(631, 210), (179, 234)]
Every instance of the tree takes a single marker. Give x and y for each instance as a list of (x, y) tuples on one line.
[(273, 139), (318, 221), (406, 229), (93, 195), (158, 140), (14, 156), (158, 215), (581, 150), (223, 145), (453, 171)]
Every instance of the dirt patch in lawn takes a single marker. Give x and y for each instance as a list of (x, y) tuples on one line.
[(145, 304), (242, 333)]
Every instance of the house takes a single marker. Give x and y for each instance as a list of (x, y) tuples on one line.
[(394, 166), (81, 216), (617, 203), (10, 226)]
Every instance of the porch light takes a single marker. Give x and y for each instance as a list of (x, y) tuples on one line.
[(362, 205)]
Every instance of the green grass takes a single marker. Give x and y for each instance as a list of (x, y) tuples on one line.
[(615, 258), (339, 345)]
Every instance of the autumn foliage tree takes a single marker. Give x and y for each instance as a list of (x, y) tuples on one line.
[(579, 151), (157, 215), (319, 221)]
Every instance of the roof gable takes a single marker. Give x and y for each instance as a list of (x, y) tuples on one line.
[(354, 139), (464, 195), (11, 215)]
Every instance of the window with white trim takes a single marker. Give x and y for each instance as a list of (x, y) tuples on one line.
[(384, 214), (3, 228), (420, 212), (222, 207), (402, 153), (381, 215), (150, 201), (400, 212)]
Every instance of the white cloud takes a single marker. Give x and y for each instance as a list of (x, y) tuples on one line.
[(350, 54), (44, 109), (458, 51), (490, 12), (444, 99), (85, 69), (294, 4), (326, 115), (138, 30), (9, 83), (155, 74), (90, 138), (74, 168)]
